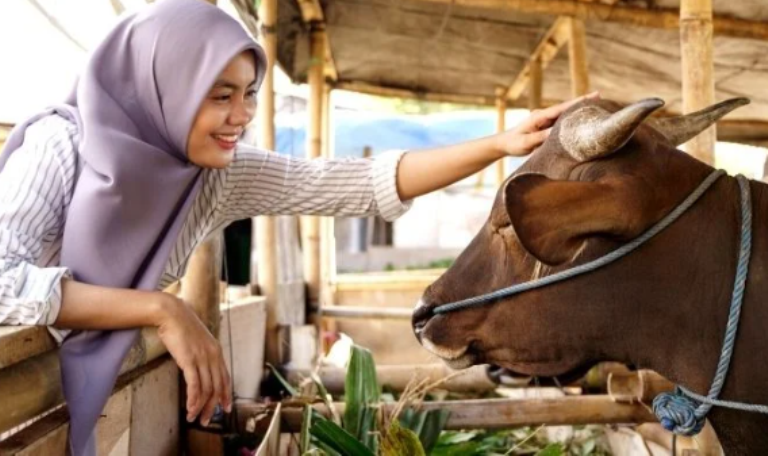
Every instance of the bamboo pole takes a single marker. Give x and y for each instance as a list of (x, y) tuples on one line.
[(637, 386), (327, 237), (398, 377), (536, 89), (630, 15), (501, 112), (577, 52), (265, 228), (499, 413), (201, 284), (698, 69), (311, 225), (367, 313)]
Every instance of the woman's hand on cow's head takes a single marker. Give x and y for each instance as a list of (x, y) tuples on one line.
[(534, 130)]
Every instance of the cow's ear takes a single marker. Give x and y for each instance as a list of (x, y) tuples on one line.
[(553, 218)]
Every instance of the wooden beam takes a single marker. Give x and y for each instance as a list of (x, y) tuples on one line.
[(18, 343), (501, 113), (698, 71), (433, 97), (557, 35), (536, 89), (502, 413), (636, 16), (577, 57)]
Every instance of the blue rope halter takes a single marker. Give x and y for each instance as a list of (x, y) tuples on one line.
[(682, 412)]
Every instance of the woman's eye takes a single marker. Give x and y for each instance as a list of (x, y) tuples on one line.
[(251, 94), (222, 97)]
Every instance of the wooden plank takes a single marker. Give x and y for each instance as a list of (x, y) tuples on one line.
[(536, 89), (33, 386), (270, 445), (503, 413), (663, 18), (18, 343), (399, 281), (698, 71), (155, 412), (557, 35), (49, 435), (577, 58), (243, 326)]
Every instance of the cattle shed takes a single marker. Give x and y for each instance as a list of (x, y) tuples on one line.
[(498, 54)]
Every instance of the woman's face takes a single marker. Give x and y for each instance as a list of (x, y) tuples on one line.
[(226, 110)]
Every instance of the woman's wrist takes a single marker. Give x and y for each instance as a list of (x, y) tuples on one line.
[(163, 307), (498, 147)]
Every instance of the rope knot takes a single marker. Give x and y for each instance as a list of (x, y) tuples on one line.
[(677, 413)]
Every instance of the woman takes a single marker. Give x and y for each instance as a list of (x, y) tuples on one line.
[(104, 197)]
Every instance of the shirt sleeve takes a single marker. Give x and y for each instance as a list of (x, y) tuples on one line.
[(32, 201), (267, 183)]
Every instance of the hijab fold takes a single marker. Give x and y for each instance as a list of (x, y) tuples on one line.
[(134, 105)]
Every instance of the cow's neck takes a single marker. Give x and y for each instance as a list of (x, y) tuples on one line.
[(691, 332)]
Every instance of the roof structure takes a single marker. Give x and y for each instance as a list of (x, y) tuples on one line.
[(467, 51)]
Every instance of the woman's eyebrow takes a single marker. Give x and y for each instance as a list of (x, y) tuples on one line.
[(225, 84), (231, 85)]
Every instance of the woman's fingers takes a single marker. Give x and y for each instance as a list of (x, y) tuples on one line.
[(226, 400), (193, 390), (545, 118), (214, 398), (206, 389), (533, 140)]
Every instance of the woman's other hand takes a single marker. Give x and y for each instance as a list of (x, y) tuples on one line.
[(199, 356), (534, 130)]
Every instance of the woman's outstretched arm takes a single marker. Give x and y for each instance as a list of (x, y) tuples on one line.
[(429, 170)]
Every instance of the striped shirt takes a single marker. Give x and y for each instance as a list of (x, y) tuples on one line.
[(38, 181)]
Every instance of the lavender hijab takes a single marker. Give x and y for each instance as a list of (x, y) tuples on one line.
[(134, 106)]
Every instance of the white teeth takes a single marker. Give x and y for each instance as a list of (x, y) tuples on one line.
[(228, 138)]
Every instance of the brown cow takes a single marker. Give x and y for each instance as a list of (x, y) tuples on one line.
[(603, 177)]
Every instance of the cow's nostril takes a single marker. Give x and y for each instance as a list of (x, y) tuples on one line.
[(421, 315)]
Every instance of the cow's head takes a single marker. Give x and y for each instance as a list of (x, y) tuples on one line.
[(605, 175)]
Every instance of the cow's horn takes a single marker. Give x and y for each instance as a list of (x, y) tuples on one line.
[(592, 132), (680, 129)]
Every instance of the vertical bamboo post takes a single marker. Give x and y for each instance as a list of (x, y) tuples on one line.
[(501, 112), (698, 68), (536, 88), (311, 225), (577, 52), (327, 238), (265, 227), (201, 283)]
